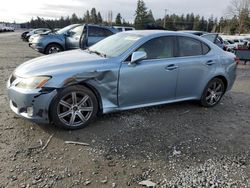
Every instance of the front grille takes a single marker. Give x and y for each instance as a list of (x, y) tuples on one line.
[(12, 78)]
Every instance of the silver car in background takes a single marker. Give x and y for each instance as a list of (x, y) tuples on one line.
[(34, 32), (127, 70)]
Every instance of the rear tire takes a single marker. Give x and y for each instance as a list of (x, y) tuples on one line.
[(213, 93), (74, 107)]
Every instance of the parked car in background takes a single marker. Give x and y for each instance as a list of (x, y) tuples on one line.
[(216, 39), (124, 71), (124, 28), (6, 28), (231, 46), (70, 37), (239, 41), (37, 35), (35, 31), (23, 35)]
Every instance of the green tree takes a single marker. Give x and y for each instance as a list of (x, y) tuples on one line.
[(150, 18), (86, 17), (203, 24), (74, 19), (196, 25), (233, 26), (93, 16), (99, 18), (239, 11), (141, 15), (118, 19)]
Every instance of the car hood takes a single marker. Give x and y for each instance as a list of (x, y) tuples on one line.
[(60, 63)]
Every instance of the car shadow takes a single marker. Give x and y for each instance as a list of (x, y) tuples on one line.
[(158, 132)]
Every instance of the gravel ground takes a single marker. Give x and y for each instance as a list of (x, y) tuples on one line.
[(177, 145)]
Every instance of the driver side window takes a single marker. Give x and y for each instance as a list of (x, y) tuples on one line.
[(158, 48), (76, 32)]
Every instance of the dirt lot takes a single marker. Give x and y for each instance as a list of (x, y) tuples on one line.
[(178, 145)]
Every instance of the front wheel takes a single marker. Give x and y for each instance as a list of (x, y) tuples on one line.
[(53, 48), (74, 107), (213, 92)]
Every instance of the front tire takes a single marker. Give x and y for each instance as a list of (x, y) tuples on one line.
[(213, 92), (53, 48), (74, 107)]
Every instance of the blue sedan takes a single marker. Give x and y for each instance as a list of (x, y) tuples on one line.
[(69, 38), (124, 71)]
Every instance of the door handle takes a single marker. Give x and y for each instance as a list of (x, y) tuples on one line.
[(171, 67), (210, 62)]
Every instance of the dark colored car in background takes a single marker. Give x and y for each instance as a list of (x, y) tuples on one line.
[(27, 34), (71, 37), (23, 35)]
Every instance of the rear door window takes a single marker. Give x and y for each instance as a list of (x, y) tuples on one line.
[(205, 48), (189, 47), (99, 32)]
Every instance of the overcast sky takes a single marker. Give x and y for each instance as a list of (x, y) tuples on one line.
[(24, 10)]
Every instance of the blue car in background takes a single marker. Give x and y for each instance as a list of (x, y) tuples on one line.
[(127, 70), (69, 38)]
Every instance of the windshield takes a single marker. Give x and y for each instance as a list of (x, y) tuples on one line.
[(115, 45), (65, 29)]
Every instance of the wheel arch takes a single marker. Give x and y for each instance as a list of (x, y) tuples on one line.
[(88, 86), (96, 93), (224, 79)]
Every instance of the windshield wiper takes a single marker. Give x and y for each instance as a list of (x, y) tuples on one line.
[(96, 52)]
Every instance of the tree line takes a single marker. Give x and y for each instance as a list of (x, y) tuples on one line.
[(237, 20), (92, 17)]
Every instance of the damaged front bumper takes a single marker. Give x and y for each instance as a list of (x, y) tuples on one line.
[(37, 46), (31, 104)]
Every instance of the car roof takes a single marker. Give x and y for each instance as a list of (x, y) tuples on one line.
[(159, 33), (150, 32), (194, 32), (145, 33), (122, 27), (103, 26)]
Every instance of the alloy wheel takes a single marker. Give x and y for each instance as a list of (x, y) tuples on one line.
[(75, 108), (54, 49), (214, 93)]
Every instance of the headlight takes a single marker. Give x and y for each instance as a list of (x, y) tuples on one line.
[(33, 82)]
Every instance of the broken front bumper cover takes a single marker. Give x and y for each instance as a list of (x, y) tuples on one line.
[(37, 46), (31, 104)]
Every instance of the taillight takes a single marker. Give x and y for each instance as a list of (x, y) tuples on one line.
[(237, 60)]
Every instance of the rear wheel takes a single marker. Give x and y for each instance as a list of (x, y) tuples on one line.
[(53, 48), (74, 107), (213, 93)]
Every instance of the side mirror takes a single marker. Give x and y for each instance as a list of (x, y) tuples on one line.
[(67, 34), (137, 56), (70, 33)]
